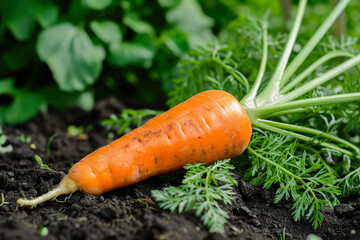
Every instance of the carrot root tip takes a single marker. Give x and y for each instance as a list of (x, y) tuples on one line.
[(66, 186)]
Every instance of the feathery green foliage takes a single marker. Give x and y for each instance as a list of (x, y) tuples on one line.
[(276, 159), (201, 188)]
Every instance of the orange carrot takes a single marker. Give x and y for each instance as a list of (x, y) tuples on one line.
[(208, 127)]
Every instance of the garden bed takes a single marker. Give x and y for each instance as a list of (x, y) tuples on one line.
[(129, 213)]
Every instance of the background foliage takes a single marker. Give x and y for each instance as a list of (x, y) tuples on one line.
[(73, 53)]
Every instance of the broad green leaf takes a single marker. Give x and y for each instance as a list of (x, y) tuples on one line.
[(72, 57), (139, 52), (97, 4), (60, 99), (17, 16), (46, 15), (132, 4), (133, 21), (85, 100), (20, 16), (189, 17), (124, 54), (3, 139), (6, 85), (168, 3), (176, 41), (107, 31), (22, 27), (24, 105)]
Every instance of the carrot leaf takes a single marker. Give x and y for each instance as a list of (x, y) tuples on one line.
[(276, 159), (201, 190)]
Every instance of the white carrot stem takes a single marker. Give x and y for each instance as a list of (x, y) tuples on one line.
[(66, 186)]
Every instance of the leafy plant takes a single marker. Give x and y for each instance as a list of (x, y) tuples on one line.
[(2, 202), (24, 139), (3, 139), (43, 231), (76, 132), (23, 104), (41, 164), (63, 47), (201, 188), (73, 131), (73, 69)]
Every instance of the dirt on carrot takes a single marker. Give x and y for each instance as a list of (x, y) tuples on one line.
[(118, 214)]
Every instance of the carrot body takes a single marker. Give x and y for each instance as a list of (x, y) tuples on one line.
[(208, 127)]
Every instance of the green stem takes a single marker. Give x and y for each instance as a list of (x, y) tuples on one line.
[(310, 131), (248, 100), (312, 67), (286, 112), (303, 138), (272, 90), (267, 110), (321, 79), (314, 40)]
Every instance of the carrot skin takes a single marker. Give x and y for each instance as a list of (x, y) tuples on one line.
[(208, 127)]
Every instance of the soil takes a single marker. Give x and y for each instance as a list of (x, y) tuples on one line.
[(129, 213)]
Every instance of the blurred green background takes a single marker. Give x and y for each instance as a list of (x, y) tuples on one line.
[(75, 53)]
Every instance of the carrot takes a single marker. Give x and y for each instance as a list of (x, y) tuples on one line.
[(209, 126)]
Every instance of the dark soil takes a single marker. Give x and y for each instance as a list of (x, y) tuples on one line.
[(129, 213)]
